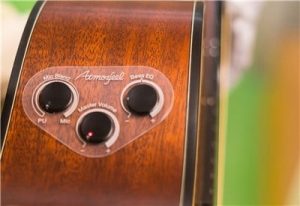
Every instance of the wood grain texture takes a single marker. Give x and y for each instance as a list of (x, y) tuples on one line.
[(38, 170)]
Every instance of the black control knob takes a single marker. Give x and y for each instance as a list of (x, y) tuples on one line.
[(141, 99), (95, 127), (55, 97)]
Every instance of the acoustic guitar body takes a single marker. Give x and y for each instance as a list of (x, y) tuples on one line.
[(113, 103)]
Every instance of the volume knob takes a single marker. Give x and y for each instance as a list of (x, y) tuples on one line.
[(95, 127), (98, 126)]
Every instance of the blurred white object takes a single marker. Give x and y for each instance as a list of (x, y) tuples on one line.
[(12, 25), (244, 16)]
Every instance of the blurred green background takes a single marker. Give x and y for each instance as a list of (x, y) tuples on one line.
[(250, 149), (21, 6)]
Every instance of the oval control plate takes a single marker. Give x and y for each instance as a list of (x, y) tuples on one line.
[(98, 88)]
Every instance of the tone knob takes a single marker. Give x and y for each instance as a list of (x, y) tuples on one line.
[(141, 99), (95, 127), (55, 97)]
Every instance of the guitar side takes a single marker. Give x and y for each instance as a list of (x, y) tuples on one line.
[(159, 168)]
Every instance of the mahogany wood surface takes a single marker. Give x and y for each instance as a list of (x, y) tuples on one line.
[(39, 170)]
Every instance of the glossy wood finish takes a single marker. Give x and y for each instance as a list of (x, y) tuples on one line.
[(38, 170)]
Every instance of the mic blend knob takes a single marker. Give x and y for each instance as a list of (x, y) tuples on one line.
[(55, 97)]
